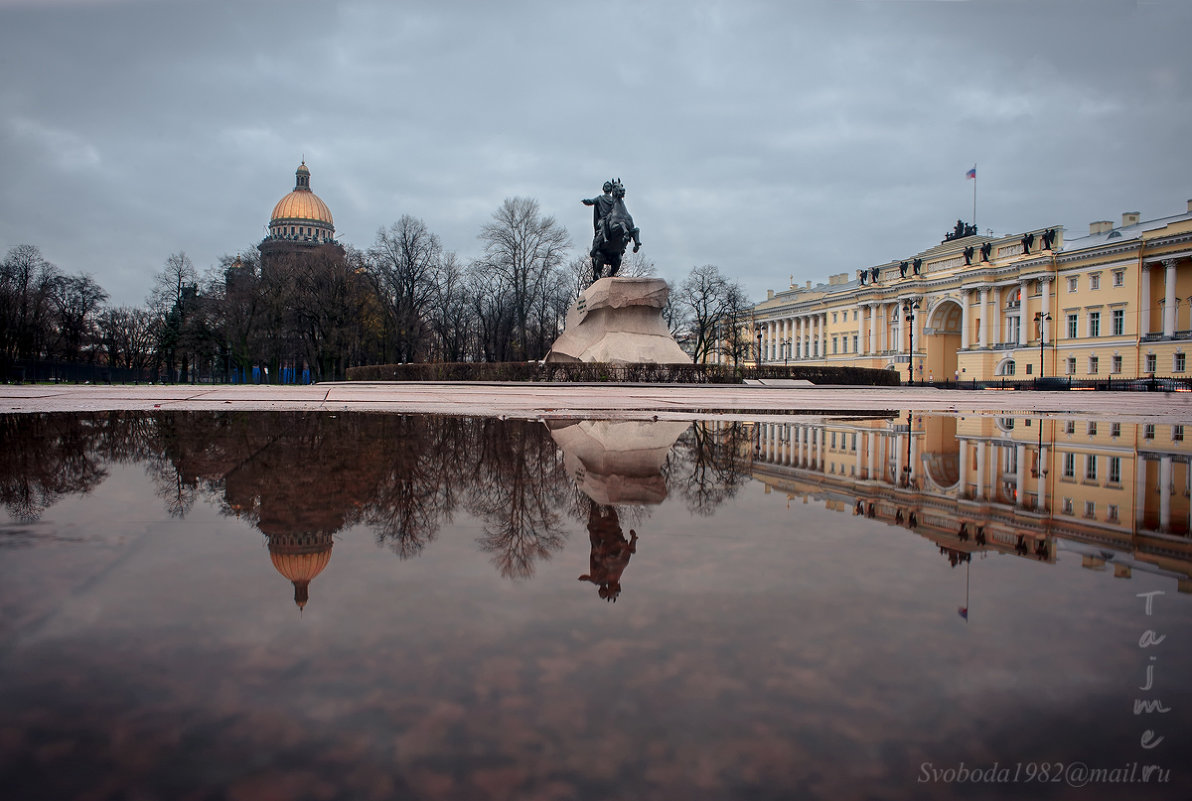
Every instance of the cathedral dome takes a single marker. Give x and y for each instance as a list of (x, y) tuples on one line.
[(301, 215), (300, 558)]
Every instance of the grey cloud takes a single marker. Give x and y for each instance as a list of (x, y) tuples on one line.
[(768, 138)]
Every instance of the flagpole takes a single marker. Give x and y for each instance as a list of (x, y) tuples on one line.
[(974, 194), (967, 565)]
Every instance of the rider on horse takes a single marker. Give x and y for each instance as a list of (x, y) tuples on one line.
[(613, 228)]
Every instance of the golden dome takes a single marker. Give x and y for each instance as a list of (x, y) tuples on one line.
[(302, 205), (300, 558)]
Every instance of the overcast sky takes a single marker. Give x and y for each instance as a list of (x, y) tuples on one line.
[(770, 139)]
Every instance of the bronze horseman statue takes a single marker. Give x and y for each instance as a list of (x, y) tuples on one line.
[(613, 229)]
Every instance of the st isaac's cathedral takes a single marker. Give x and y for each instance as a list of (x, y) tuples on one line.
[(300, 223)]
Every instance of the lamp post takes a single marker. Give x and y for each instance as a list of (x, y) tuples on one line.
[(906, 468), (908, 313), (786, 352), (1040, 317), (759, 344)]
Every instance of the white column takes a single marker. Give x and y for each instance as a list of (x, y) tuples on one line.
[(1042, 505), (1046, 310), (981, 469), (914, 456), (1020, 478), (824, 335), (964, 466), (1165, 494), (1144, 312), (860, 447), (1169, 305), (901, 335), (1023, 308), (872, 328), (983, 308), (964, 318), (1139, 490)]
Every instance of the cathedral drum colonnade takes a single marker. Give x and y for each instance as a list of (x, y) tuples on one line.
[(1113, 303)]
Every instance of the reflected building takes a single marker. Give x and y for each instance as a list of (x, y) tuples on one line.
[(1026, 486)]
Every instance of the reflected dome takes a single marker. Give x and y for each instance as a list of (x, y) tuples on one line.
[(300, 558)]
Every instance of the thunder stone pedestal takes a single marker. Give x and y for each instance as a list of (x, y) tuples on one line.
[(619, 320)]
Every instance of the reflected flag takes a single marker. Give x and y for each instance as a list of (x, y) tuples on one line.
[(963, 612), (971, 174)]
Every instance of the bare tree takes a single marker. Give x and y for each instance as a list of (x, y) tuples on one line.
[(449, 309), (524, 249), (76, 300), (704, 299), (404, 260), (27, 286), (127, 335)]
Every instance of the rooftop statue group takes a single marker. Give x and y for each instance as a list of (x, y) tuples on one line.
[(614, 229)]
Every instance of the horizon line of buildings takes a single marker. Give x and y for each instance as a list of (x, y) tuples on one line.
[(1113, 303)]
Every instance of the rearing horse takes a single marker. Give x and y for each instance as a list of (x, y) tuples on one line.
[(618, 231)]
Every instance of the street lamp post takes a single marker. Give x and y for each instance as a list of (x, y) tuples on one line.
[(759, 345), (1040, 317), (906, 468), (908, 313)]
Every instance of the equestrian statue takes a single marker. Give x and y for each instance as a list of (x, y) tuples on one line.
[(613, 229)]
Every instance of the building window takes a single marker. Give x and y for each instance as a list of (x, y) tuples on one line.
[(1090, 467), (1116, 364), (1094, 282), (1070, 428), (1090, 509), (1072, 365), (1115, 429), (834, 342), (1179, 363), (1115, 470), (1148, 431), (854, 315), (1112, 514), (1119, 277), (1095, 324), (1119, 322), (856, 340), (1072, 323), (1094, 364), (854, 447), (1151, 362), (1067, 506), (1092, 429), (833, 316), (1071, 284), (1177, 433), (833, 440), (1069, 465)]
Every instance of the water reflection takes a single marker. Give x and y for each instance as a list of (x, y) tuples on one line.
[(754, 652), (1012, 485)]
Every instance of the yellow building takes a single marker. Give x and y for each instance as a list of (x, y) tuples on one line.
[(1019, 485), (1114, 303)]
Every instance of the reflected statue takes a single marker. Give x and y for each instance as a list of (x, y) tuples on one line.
[(611, 552), (617, 461)]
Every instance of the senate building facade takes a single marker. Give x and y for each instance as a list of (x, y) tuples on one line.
[(1112, 303)]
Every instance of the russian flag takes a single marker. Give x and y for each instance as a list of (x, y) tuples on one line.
[(971, 173)]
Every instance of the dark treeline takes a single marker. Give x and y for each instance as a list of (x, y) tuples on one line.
[(318, 311), (401, 477)]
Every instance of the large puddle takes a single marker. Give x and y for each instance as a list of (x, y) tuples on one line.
[(354, 606)]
